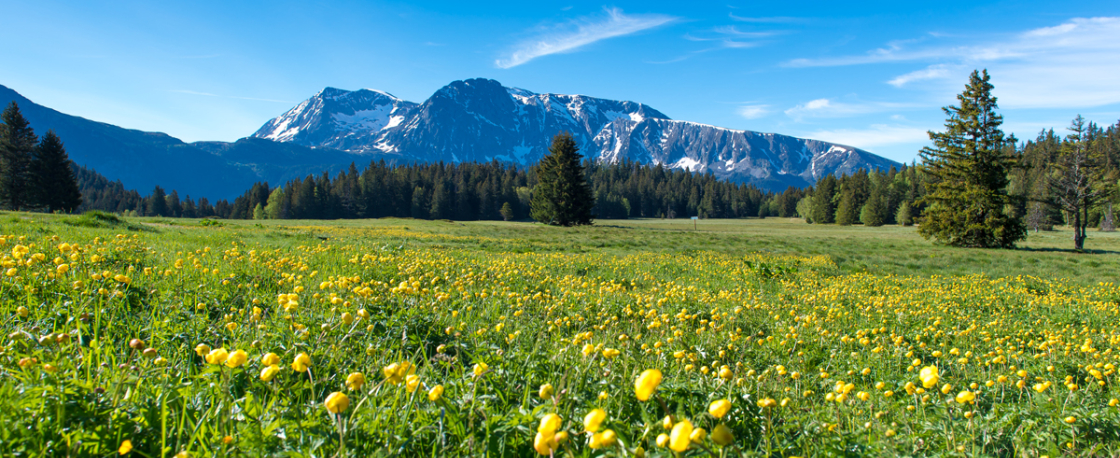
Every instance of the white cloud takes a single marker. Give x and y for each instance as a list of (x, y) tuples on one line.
[(579, 33), (875, 136), (825, 108), (1070, 65), (754, 111), (928, 73)]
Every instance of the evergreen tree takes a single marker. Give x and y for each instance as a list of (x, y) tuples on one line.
[(55, 187), (968, 175), (156, 204), (562, 195), (1077, 181), (17, 147)]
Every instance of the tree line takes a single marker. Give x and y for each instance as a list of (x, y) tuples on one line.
[(35, 173), (462, 191)]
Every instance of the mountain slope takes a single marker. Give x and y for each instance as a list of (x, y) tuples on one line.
[(143, 160), (481, 120)]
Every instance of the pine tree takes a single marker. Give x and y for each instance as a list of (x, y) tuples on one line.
[(562, 195), (1077, 181), (54, 185), (17, 147), (968, 175)]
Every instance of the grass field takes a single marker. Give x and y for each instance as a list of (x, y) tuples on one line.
[(167, 337)]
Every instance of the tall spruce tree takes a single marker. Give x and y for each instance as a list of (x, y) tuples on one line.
[(1077, 181), (562, 195), (55, 187), (968, 202), (17, 147)]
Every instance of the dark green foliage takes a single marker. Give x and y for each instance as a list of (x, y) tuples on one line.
[(17, 149), (1079, 179), (562, 196), (968, 175), (156, 203), (54, 186), (823, 208)]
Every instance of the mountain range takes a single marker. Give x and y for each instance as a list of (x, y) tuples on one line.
[(466, 121)]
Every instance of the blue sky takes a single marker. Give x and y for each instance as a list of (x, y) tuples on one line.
[(868, 74)]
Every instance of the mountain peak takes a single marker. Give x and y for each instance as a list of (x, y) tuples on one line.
[(479, 120)]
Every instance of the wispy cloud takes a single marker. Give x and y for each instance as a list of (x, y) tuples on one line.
[(876, 135), (581, 32), (826, 108), (928, 73), (207, 94), (1069, 65), (754, 111)]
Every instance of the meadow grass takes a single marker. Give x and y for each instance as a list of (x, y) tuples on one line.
[(126, 335)]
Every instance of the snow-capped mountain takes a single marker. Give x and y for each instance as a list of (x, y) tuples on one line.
[(335, 118), (481, 120)]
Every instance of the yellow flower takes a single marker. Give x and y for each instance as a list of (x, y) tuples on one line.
[(270, 359), (609, 438), (544, 444), (766, 403), (435, 393), (202, 350), (679, 438), (411, 382), (929, 376), (965, 396), (355, 381), (647, 383), (1069, 420), (546, 391), (722, 435), (595, 441), (337, 402), (301, 363), (946, 388), (698, 435), (549, 424), (662, 440), (480, 369), (1113, 402), (126, 447), (593, 420), (269, 372), (719, 408), (237, 358), (217, 356)]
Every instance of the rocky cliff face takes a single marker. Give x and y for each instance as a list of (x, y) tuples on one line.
[(481, 120)]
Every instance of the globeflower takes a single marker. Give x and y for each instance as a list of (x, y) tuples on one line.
[(337, 402), (270, 359), (355, 381), (237, 358), (301, 363), (269, 372), (647, 383), (217, 356), (929, 376), (679, 438), (411, 382), (719, 408), (722, 435), (594, 419), (435, 393), (546, 391), (202, 350), (549, 424), (965, 396), (480, 369)]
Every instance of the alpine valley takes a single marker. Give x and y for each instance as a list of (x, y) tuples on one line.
[(476, 120)]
